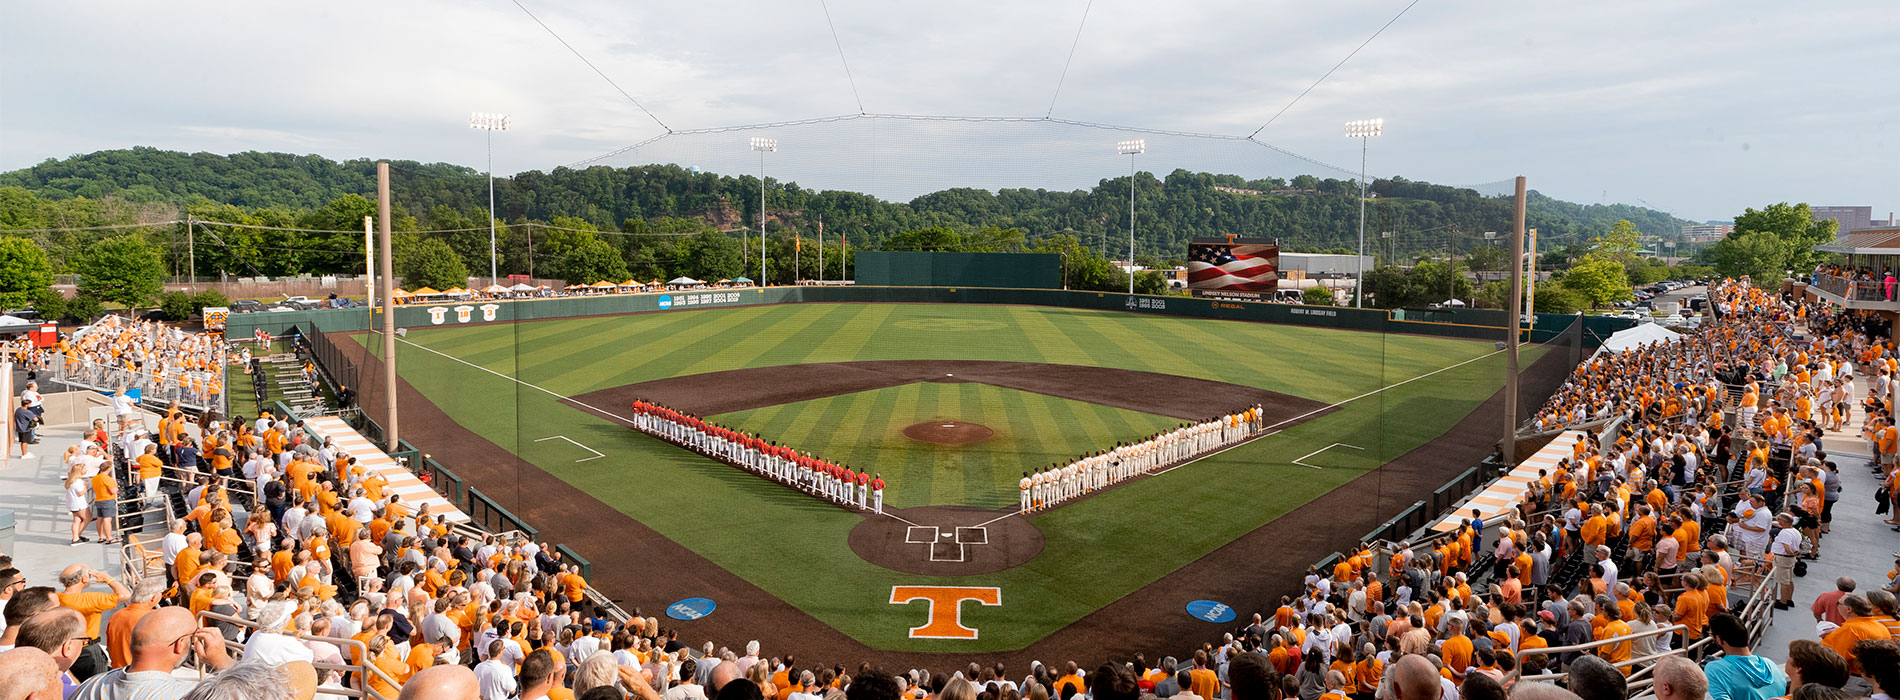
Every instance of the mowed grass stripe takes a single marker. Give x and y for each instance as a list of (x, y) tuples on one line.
[(1048, 343), (1262, 359), (762, 339), (815, 425), (659, 357), (899, 409), (855, 328)]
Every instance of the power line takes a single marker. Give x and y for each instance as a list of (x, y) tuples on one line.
[(1329, 72), (1071, 58), (108, 227), (847, 64), (590, 64)]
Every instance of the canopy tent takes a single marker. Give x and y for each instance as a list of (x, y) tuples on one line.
[(494, 289), (426, 292), (630, 283), (399, 293), (725, 281), (684, 281), (1637, 337), (742, 280), (1453, 302), (603, 284), (522, 287), (456, 292), (11, 320)]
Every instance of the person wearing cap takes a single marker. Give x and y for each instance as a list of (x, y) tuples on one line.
[(1785, 547)]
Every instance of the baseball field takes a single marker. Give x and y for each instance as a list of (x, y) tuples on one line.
[(533, 413)]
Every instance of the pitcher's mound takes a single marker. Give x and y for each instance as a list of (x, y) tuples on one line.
[(948, 432)]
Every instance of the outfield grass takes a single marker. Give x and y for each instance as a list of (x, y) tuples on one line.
[(1152, 526), (865, 430)]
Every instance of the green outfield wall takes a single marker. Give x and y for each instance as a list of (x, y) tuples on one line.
[(883, 268), (1474, 324)]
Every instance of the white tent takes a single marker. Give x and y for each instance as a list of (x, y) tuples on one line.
[(684, 281), (14, 321), (1639, 336), (521, 287), (1453, 302)]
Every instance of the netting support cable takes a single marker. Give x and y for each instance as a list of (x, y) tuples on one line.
[(1070, 59), (590, 64), (1329, 72), (847, 64)]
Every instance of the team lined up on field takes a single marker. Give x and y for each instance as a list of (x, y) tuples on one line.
[(837, 483), (1050, 487)]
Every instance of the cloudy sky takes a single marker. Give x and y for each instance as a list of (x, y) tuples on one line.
[(1696, 107)]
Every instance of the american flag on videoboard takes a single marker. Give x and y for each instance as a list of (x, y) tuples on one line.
[(1241, 267)]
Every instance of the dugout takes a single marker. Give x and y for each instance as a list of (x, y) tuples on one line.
[(924, 269)]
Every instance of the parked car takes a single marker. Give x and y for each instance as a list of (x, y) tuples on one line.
[(246, 306)]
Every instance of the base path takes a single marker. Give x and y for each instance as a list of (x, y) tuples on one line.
[(646, 570), (1187, 398)]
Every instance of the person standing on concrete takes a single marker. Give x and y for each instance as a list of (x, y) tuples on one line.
[(23, 428)]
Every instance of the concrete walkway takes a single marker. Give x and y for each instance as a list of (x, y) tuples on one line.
[(34, 490), (1858, 546)]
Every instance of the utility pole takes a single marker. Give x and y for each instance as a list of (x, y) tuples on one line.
[(1530, 289), (369, 263), (191, 248), (1515, 309), (390, 436)]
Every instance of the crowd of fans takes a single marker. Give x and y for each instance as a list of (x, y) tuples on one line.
[(288, 560)]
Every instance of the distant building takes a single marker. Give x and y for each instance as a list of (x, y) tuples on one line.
[(1319, 265), (1849, 217), (1706, 233), (1293, 191), (1234, 190)]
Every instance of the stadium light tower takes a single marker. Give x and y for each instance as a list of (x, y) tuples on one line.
[(490, 122), (1364, 130), (1131, 149), (763, 145)]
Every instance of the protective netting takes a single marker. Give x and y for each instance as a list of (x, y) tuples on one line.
[(899, 157)]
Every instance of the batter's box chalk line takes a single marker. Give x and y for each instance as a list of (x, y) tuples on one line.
[(597, 454), (1323, 449), (920, 534)]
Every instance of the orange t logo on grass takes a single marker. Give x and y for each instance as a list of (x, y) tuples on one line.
[(946, 608)]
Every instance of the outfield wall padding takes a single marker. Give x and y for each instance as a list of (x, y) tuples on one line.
[(474, 312), (885, 268)]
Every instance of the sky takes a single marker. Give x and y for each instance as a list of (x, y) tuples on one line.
[(1694, 107)]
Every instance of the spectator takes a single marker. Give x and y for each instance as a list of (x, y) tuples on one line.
[(1824, 607), (251, 681), (1592, 678), (1879, 665), (29, 674), (1740, 674), (1860, 624), (158, 643), (1678, 678), (1810, 662)]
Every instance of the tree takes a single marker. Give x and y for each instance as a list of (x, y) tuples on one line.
[(1794, 226), (1317, 296), (176, 306), (431, 263), (713, 256), (1150, 282), (594, 261), (24, 272), (1488, 258), (1619, 244), (124, 269), (1761, 255), (1598, 281), (1555, 298)]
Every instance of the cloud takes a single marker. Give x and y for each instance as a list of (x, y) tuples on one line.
[(1649, 100)]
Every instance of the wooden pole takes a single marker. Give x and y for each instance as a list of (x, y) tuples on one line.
[(389, 308), (1515, 317)]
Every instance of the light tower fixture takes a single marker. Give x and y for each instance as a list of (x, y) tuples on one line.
[(1364, 130), (490, 122), (1131, 148), (764, 145)]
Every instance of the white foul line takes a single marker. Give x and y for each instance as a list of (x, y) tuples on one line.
[(623, 419), (597, 454)]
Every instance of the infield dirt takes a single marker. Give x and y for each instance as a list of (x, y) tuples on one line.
[(1248, 573)]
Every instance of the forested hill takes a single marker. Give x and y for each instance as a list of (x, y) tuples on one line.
[(1323, 214)]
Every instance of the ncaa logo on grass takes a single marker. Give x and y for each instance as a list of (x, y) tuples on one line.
[(666, 302), (944, 617)]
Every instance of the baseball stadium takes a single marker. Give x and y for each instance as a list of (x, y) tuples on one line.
[(951, 398)]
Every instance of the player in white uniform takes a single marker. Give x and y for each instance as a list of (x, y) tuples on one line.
[(1025, 487)]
